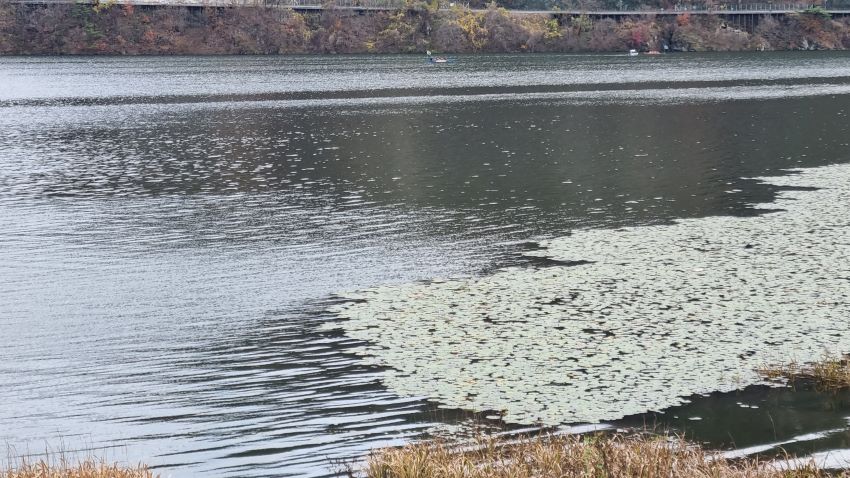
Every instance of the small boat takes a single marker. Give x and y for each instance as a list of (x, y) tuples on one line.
[(438, 59), (633, 52), (653, 52)]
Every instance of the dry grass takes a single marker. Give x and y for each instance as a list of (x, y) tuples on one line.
[(599, 456), (88, 468), (829, 373)]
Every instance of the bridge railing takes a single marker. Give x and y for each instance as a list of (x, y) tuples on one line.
[(400, 4), (748, 7), (318, 4)]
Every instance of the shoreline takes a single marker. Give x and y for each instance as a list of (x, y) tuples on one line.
[(612, 455), (105, 29), (619, 451), (816, 451)]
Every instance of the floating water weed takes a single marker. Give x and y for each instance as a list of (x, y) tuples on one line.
[(657, 314)]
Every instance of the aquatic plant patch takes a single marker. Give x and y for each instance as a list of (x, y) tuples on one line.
[(659, 313)]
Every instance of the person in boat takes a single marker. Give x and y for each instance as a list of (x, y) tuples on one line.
[(437, 59)]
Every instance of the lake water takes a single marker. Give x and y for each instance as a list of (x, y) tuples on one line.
[(176, 233)]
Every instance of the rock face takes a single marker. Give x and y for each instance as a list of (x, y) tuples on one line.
[(662, 312)]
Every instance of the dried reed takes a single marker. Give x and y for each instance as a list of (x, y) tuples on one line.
[(830, 373), (62, 468), (598, 456)]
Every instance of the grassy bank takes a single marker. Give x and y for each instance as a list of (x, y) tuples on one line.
[(590, 456), (126, 29), (602, 455), (609, 456), (88, 468)]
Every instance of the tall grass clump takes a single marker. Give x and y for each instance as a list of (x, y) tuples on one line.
[(62, 468), (607, 455), (831, 373)]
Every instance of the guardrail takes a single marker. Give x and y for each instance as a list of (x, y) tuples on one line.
[(741, 9), (749, 7), (314, 4)]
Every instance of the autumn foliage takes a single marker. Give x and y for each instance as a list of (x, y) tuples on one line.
[(131, 30)]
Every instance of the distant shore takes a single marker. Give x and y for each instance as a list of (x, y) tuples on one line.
[(69, 29)]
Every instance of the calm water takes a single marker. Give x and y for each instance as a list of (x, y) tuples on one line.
[(172, 230)]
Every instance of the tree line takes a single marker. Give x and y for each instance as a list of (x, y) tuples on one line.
[(132, 30)]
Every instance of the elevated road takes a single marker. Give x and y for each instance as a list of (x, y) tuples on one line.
[(391, 5)]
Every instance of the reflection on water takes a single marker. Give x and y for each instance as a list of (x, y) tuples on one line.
[(170, 229), (158, 79), (759, 419)]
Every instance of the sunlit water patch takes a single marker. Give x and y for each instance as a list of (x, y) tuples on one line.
[(403, 103), (659, 313), (154, 78)]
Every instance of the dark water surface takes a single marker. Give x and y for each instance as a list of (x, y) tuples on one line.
[(172, 229)]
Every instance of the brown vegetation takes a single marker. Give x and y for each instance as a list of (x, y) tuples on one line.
[(830, 373), (89, 468), (609, 456), (128, 29)]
